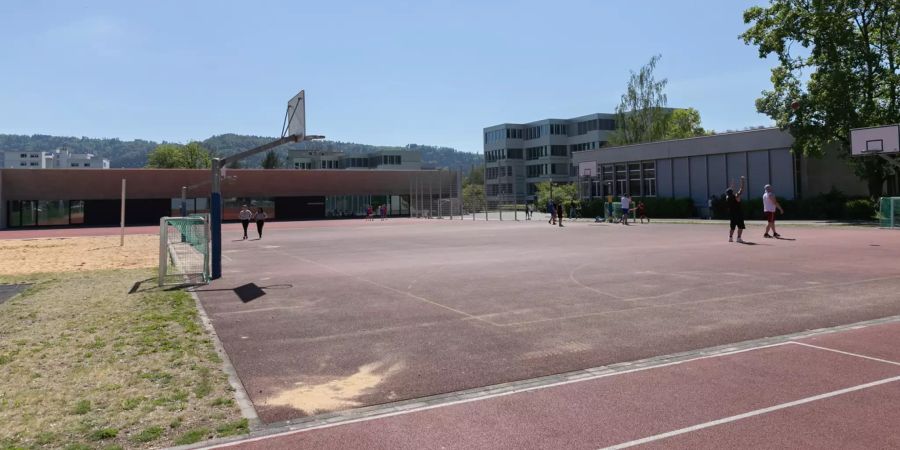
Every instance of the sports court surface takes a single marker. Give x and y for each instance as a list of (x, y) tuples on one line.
[(319, 319)]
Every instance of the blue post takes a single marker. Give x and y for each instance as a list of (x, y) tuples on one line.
[(215, 227), (215, 221)]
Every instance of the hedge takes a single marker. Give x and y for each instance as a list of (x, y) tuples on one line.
[(833, 205)]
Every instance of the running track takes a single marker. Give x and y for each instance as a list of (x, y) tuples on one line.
[(831, 390)]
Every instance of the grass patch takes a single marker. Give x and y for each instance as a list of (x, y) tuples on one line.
[(192, 436), (233, 428), (149, 434), (104, 433), (151, 362)]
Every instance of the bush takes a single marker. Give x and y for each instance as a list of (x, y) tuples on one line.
[(861, 209), (667, 208)]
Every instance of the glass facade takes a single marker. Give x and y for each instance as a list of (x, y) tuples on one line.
[(31, 213), (637, 178)]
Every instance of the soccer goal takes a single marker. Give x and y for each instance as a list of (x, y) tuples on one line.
[(889, 212), (183, 250)]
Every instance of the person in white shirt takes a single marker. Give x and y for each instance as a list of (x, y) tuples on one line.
[(260, 221), (626, 204), (770, 204), (245, 217)]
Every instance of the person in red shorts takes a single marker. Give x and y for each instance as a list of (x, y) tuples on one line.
[(770, 205), (642, 212)]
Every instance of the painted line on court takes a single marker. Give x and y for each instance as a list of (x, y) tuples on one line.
[(848, 353), (385, 287), (753, 413), (698, 302)]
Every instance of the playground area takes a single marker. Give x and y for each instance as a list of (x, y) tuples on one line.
[(323, 319)]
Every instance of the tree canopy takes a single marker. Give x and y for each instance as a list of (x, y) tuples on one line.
[(175, 156), (271, 161), (566, 193), (642, 115), (838, 69)]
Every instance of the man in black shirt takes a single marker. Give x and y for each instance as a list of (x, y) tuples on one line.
[(733, 203)]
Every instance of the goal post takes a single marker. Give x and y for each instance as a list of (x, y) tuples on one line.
[(889, 212), (183, 250)]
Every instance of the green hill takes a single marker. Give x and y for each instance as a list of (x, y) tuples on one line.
[(134, 153)]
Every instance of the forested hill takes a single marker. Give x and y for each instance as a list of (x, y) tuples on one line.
[(134, 153)]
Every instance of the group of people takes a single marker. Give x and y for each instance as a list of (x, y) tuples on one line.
[(370, 212), (556, 212), (736, 214), (246, 215)]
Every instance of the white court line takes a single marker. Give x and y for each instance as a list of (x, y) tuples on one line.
[(488, 396), (751, 414), (846, 353)]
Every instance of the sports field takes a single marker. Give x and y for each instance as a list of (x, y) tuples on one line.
[(319, 319)]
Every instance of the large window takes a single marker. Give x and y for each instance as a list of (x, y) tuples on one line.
[(621, 179), (649, 178), (634, 179), (533, 153), (29, 213), (514, 153), (532, 133), (558, 129), (513, 133), (494, 136), (558, 150)]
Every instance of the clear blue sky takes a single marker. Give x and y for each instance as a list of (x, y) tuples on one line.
[(384, 72)]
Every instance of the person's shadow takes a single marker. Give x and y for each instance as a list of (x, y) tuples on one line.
[(785, 239)]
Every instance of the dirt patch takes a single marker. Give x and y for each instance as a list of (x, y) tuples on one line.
[(85, 362), (335, 394), (27, 256)]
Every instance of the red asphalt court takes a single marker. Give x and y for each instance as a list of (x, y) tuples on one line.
[(836, 390)]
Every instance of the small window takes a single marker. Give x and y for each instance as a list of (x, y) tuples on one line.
[(73, 165)]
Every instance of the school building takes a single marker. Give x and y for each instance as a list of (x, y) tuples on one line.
[(701, 167), (92, 197)]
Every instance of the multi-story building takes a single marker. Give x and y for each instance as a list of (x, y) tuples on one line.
[(58, 159), (379, 160), (519, 156), (25, 160)]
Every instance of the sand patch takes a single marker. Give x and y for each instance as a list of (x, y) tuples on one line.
[(334, 394), (27, 256)]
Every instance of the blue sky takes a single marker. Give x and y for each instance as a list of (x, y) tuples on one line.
[(383, 73)]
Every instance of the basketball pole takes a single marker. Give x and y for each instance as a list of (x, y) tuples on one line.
[(215, 198), (122, 216)]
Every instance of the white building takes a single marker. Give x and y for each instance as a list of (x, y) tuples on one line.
[(25, 160), (58, 159)]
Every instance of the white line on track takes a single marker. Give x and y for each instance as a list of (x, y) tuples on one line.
[(847, 353), (489, 396), (749, 414)]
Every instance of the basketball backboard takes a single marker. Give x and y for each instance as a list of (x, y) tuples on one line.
[(875, 140), (295, 117)]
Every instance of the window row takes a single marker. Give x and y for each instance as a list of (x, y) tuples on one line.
[(499, 189), (587, 146), (494, 136), (595, 124), (30, 213), (635, 178), (537, 170)]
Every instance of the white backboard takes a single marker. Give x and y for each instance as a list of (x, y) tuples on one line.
[(296, 115), (873, 140)]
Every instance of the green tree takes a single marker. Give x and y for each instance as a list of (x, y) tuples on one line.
[(473, 197), (175, 156), (196, 156), (566, 193), (683, 123), (641, 114), (272, 161), (476, 176), (838, 69)]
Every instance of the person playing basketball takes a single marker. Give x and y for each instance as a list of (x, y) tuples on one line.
[(642, 212), (770, 205), (733, 204)]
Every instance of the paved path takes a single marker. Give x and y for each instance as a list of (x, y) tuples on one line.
[(838, 390)]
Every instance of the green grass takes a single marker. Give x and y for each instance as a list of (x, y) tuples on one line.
[(149, 434), (192, 436), (151, 372)]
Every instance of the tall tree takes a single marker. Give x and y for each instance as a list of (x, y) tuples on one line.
[(641, 114), (475, 176), (838, 68), (271, 161), (175, 156), (683, 123), (566, 194)]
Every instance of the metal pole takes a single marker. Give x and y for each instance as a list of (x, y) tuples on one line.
[(215, 221), (499, 190), (122, 218), (441, 194), (409, 203), (430, 196), (515, 199), (184, 201)]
